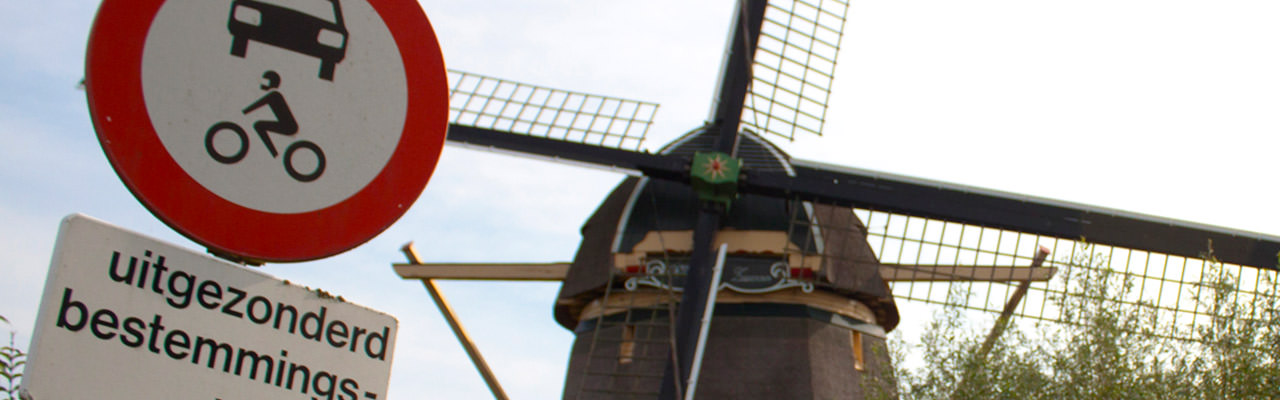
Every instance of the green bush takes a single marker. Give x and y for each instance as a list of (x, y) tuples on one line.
[(1107, 344)]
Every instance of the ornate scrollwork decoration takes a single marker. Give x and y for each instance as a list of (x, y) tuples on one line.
[(779, 271), (654, 274), (657, 275)]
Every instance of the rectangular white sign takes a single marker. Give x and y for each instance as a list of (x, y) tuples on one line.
[(125, 316)]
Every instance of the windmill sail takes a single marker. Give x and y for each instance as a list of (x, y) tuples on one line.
[(979, 268), (852, 187), (795, 63), (501, 105), (856, 240), (528, 120), (924, 238)]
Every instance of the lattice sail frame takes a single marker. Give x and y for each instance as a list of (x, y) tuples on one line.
[(1178, 291), (795, 62), (499, 104)]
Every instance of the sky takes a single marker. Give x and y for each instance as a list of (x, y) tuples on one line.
[(1165, 107)]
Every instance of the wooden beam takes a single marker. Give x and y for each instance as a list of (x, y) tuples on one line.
[(463, 338), (1011, 305), (484, 271), (557, 271), (945, 273), (1003, 321)]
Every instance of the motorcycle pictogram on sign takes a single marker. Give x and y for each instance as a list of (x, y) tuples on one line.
[(284, 124)]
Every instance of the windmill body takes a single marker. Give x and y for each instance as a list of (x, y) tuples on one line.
[(813, 331)]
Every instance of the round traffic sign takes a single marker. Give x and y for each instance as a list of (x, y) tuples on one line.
[(273, 130)]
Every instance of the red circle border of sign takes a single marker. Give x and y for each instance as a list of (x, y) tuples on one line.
[(113, 79)]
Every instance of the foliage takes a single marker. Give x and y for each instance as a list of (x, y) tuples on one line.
[(1241, 347), (1107, 344), (960, 371), (12, 360)]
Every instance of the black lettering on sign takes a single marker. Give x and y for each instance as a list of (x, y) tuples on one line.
[(229, 307)]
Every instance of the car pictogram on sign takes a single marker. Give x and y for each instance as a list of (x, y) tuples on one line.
[(321, 33)]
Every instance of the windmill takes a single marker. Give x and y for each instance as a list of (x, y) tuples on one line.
[(816, 184)]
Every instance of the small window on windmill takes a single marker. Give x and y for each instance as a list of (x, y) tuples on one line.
[(855, 339), (627, 350)]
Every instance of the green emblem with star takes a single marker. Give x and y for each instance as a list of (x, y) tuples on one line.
[(715, 176)]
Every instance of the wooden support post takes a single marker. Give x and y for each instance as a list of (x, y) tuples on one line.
[(1012, 305), (461, 334), (1002, 322)]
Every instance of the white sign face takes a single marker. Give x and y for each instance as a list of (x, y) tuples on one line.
[(257, 98), (127, 317)]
